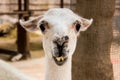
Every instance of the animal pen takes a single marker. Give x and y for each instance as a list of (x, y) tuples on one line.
[(26, 11)]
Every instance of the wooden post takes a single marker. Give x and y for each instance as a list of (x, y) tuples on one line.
[(61, 3), (26, 8), (22, 36)]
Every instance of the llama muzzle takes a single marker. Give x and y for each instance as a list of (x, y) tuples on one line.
[(60, 50)]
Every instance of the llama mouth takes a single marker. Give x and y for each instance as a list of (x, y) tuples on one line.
[(60, 60)]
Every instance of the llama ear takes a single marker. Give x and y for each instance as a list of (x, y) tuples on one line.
[(30, 25), (85, 23)]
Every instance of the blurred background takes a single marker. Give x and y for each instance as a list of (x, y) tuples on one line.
[(11, 11), (12, 37)]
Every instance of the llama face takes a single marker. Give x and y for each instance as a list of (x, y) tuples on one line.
[(60, 29), (61, 39)]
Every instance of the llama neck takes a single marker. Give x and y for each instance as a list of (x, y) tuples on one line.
[(55, 72)]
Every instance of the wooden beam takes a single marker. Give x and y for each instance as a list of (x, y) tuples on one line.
[(14, 13), (22, 36), (8, 52), (61, 3)]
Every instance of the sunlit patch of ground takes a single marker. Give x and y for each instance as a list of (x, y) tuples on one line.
[(32, 67)]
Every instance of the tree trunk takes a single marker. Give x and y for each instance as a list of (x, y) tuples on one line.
[(91, 60)]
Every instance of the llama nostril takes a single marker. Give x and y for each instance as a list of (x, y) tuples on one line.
[(66, 38)]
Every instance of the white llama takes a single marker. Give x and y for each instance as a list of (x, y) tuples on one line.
[(60, 28)]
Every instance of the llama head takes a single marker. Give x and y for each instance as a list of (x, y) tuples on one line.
[(60, 28)]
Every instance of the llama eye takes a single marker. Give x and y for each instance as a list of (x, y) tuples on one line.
[(77, 27), (42, 27)]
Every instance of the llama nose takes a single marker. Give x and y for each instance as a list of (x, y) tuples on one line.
[(61, 41), (60, 46)]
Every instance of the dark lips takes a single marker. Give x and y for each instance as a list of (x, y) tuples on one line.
[(60, 60)]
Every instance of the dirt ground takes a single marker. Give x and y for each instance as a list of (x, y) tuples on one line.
[(33, 67)]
